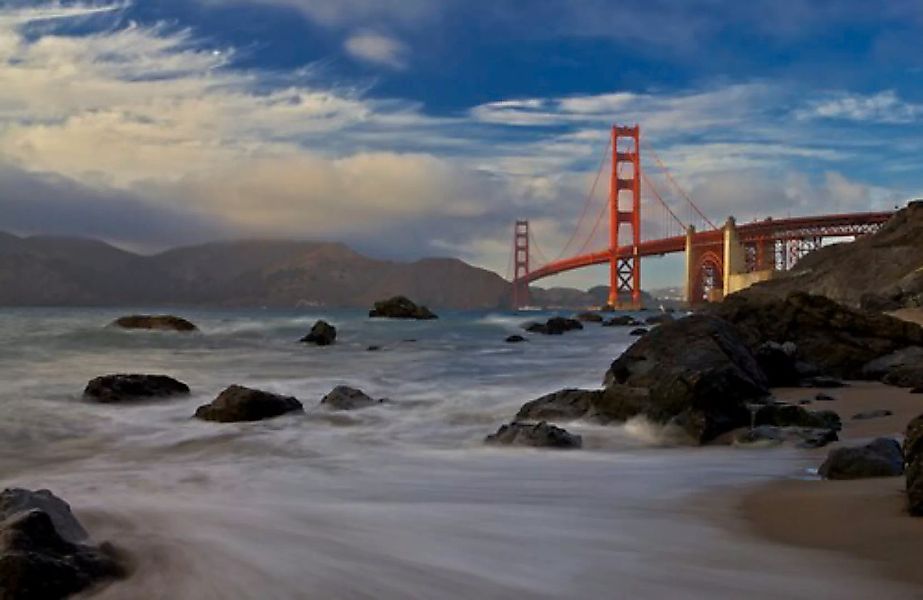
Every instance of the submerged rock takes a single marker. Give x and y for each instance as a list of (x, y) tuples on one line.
[(321, 334), (769, 435), (872, 414), (554, 326), (613, 404), (238, 403), (113, 389), (43, 549), (700, 375), (154, 322), (880, 458), (344, 397), (590, 317), (538, 435), (621, 321), (515, 339), (638, 332), (400, 307)]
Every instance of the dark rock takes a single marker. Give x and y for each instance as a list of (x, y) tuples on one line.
[(154, 322), (881, 458), (112, 389), (621, 321), (824, 398), (905, 377), (779, 363), (877, 369), (515, 339), (659, 319), (769, 435), (590, 317), (700, 373), (913, 455), (821, 382), (238, 403), (373, 348), (322, 334), (872, 414), (539, 435), (554, 326), (917, 390), (838, 339), (638, 332), (347, 398), (791, 415), (400, 307), (613, 404), (42, 551)]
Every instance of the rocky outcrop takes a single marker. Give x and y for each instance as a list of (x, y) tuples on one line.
[(116, 389), (238, 403), (769, 435), (880, 458), (905, 377), (839, 340), (613, 404), (913, 456), (621, 321), (44, 550), (400, 307), (640, 331), (700, 375), (554, 326), (876, 369), (321, 334), (779, 363), (154, 322), (590, 317), (344, 397), (790, 415), (537, 435)]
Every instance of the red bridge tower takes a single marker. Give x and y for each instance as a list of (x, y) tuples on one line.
[(625, 272)]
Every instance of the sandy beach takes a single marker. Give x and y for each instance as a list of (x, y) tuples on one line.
[(864, 519)]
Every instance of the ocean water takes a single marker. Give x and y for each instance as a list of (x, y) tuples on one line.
[(398, 501)]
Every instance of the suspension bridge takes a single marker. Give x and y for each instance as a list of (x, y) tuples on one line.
[(647, 213)]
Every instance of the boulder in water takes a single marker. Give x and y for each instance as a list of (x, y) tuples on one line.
[(344, 397), (238, 403), (321, 334), (538, 435), (400, 307), (43, 549), (613, 404), (640, 331), (554, 326), (880, 458), (590, 317), (515, 339), (115, 389), (621, 321), (155, 322)]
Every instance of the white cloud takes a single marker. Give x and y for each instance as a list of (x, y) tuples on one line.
[(883, 107), (371, 47)]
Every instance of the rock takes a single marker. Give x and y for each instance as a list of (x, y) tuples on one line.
[(659, 319), (322, 334), (347, 398), (838, 339), (590, 317), (872, 414), (880, 367), (112, 389), (400, 307), (554, 326), (515, 339), (43, 554), (539, 435), (881, 458), (790, 415), (822, 382), (238, 403), (373, 348), (905, 377), (917, 390), (700, 375), (769, 435), (638, 332), (913, 455), (824, 398), (779, 363), (613, 404), (154, 322), (621, 321)]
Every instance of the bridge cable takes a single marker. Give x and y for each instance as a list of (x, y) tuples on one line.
[(678, 188)]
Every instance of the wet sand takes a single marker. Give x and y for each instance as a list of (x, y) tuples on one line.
[(864, 519)]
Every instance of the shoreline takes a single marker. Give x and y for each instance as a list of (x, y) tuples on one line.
[(863, 519)]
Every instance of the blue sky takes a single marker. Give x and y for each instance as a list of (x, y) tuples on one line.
[(409, 128)]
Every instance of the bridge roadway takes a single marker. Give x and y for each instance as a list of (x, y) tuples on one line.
[(767, 230)]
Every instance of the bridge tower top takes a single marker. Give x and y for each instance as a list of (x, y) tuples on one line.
[(520, 264)]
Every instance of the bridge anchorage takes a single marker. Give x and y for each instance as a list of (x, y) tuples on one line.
[(719, 260)]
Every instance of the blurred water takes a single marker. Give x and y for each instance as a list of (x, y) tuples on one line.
[(397, 501)]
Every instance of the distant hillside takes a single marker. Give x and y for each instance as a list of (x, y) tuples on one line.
[(47, 271), (882, 271)]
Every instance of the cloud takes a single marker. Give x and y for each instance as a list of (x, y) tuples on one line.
[(376, 48), (883, 107), (350, 13)]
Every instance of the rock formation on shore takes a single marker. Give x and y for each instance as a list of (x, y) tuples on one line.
[(535, 435), (44, 550), (400, 307), (155, 322), (238, 403), (321, 334), (880, 458), (344, 397), (114, 389), (554, 326)]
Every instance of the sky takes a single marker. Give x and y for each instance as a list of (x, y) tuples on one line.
[(413, 128)]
